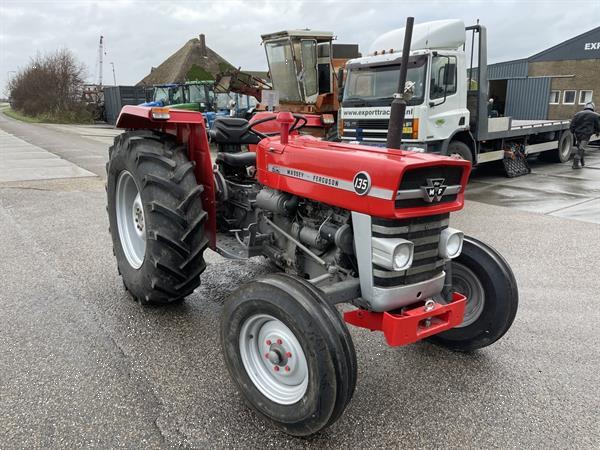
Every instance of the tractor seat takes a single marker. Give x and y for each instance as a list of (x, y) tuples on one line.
[(241, 159), (232, 130)]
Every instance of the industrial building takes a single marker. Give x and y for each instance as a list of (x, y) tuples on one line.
[(552, 84)]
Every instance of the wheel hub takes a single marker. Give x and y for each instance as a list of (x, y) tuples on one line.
[(138, 214), (274, 359)]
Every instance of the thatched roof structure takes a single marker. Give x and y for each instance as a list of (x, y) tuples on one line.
[(194, 61)]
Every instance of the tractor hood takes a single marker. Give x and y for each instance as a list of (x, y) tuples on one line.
[(377, 181)]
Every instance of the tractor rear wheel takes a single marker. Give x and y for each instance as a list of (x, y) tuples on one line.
[(485, 278), (156, 217), (289, 353)]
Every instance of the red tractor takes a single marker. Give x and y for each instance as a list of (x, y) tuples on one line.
[(343, 223)]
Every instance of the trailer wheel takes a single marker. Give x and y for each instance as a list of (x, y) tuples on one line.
[(288, 353), (481, 274), (563, 152), (156, 217), (458, 148)]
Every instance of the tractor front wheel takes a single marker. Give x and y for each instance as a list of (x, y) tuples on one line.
[(289, 352), (156, 217), (485, 278)]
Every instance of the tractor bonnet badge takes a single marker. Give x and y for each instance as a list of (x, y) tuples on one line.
[(362, 183), (434, 190)]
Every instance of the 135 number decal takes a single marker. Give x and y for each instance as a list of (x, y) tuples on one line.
[(362, 183)]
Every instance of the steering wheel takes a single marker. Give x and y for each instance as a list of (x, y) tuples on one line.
[(298, 124)]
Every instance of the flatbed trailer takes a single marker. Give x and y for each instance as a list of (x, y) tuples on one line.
[(447, 111)]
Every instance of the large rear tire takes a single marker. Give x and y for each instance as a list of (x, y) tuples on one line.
[(289, 354), (485, 278), (156, 217)]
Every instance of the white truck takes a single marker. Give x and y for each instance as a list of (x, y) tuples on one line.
[(449, 112)]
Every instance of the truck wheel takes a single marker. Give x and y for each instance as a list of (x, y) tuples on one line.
[(288, 353), (156, 217), (563, 152), (485, 278), (458, 148)]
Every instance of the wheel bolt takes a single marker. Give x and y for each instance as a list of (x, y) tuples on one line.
[(279, 341), (287, 368), (276, 368), (269, 342), (288, 354), (267, 355)]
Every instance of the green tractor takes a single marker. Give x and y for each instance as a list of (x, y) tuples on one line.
[(192, 96)]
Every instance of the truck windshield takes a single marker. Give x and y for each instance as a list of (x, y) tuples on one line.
[(374, 84), (283, 70)]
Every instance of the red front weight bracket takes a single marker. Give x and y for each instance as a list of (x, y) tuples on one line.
[(411, 325)]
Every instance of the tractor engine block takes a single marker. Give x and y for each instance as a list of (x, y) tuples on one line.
[(307, 238)]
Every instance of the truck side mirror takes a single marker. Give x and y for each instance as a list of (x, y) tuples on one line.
[(340, 83)]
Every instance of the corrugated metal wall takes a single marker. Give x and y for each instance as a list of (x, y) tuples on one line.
[(527, 98), (115, 97), (503, 70), (509, 69)]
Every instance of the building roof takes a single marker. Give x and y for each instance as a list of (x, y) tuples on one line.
[(573, 48), (194, 61)]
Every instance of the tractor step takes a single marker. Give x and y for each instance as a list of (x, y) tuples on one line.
[(412, 324)]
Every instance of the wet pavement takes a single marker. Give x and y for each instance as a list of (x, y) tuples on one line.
[(550, 188), (82, 365)]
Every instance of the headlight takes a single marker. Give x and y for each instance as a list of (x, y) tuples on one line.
[(403, 256), (451, 242), (393, 253)]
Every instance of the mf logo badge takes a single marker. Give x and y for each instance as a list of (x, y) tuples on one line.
[(434, 190), (362, 183)]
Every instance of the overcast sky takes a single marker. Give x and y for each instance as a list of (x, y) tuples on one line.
[(139, 35)]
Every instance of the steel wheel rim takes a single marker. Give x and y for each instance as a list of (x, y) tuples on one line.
[(466, 282), (131, 221), (273, 359), (565, 148)]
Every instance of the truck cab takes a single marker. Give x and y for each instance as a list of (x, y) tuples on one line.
[(438, 107)]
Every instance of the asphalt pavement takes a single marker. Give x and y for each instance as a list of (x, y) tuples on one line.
[(82, 365)]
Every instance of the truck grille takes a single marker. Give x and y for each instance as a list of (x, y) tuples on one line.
[(410, 192), (424, 232), (373, 124), (371, 129)]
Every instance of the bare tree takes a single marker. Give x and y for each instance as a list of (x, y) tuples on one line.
[(50, 86)]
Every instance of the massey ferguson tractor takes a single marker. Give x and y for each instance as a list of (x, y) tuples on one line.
[(342, 223)]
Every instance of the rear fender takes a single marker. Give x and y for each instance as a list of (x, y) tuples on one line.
[(189, 129)]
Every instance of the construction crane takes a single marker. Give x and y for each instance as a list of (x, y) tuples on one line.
[(99, 62)]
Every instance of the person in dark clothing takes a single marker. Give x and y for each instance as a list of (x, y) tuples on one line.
[(583, 125)]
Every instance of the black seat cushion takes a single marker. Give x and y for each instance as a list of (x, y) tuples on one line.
[(232, 130), (242, 159)]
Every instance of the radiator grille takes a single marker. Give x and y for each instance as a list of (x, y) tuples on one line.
[(416, 178), (424, 232)]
